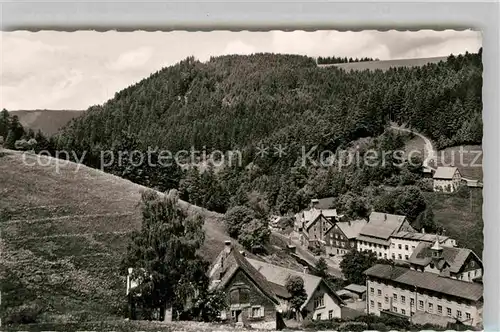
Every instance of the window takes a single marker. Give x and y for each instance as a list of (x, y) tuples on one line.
[(380, 254), (393, 245), (459, 314), (337, 243), (372, 304), (403, 299), (372, 291), (472, 264), (330, 314), (379, 292), (257, 312), (440, 309), (342, 244), (319, 301), (385, 256), (336, 236), (413, 247), (399, 246), (400, 257), (395, 309), (406, 247), (406, 257), (393, 256), (395, 297), (387, 299), (240, 295), (467, 315), (448, 311), (233, 313), (421, 305), (403, 311), (318, 317), (475, 273), (412, 302), (431, 307), (379, 305)]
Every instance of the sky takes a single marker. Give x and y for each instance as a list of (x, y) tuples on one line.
[(74, 70)]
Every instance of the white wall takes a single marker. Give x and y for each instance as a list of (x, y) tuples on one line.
[(331, 304)]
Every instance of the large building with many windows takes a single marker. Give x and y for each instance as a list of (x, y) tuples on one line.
[(404, 243), (376, 235), (408, 292)]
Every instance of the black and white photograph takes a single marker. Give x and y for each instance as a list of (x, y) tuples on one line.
[(241, 180)]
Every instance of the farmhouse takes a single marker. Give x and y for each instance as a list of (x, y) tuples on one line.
[(322, 302), (342, 236), (447, 179), (375, 235), (411, 293), (251, 297), (458, 263)]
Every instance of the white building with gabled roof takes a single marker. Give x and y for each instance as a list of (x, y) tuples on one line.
[(446, 179)]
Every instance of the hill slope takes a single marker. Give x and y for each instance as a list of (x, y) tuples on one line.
[(64, 233), (48, 121)]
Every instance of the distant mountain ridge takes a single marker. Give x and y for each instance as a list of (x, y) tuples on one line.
[(48, 121)]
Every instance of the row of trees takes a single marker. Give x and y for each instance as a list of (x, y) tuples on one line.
[(14, 136), (333, 59)]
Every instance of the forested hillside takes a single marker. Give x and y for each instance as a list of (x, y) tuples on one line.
[(245, 102)]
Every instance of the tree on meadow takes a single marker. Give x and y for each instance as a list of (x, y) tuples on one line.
[(164, 255), (236, 217), (253, 234)]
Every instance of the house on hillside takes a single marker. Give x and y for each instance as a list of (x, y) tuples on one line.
[(404, 243), (322, 302), (311, 225), (375, 235), (252, 299), (342, 236), (446, 179), (406, 292), (458, 263)]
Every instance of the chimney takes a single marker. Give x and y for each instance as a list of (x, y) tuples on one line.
[(227, 247), (242, 252), (385, 216), (305, 269)]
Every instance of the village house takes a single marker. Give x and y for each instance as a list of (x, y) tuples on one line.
[(404, 243), (426, 295), (252, 300), (312, 225), (321, 303), (457, 263), (446, 179), (341, 238), (376, 235)]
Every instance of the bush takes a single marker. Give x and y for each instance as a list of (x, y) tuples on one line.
[(425, 184), (25, 314)]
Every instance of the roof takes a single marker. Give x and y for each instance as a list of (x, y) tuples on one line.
[(427, 280), (425, 237), (383, 225), (345, 293), (235, 261), (445, 173), (310, 216), (356, 288), (455, 257), (373, 240), (279, 275), (351, 229)]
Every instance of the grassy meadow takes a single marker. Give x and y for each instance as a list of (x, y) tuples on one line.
[(64, 233)]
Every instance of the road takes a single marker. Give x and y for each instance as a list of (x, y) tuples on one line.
[(307, 256), (430, 152)]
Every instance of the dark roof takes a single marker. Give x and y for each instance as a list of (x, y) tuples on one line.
[(235, 261), (356, 288), (427, 280), (455, 257)]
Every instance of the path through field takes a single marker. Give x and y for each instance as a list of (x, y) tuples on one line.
[(430, 152)]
